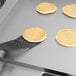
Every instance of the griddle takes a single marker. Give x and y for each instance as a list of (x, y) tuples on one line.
[(49, 53)]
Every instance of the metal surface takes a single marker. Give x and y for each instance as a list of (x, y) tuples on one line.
[(47, 54), (49, 72), (2, 3), (18, 44), (6, 8)]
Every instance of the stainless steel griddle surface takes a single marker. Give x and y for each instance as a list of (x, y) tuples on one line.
[(49, 53)]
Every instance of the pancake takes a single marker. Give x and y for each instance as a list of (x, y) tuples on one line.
[(46, 8), (70, 10), (66, 37), (34, 34)]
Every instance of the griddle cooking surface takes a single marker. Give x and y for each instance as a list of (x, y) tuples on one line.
[(49, 53)]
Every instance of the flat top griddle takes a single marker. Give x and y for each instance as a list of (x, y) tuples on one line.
[(47, 54)]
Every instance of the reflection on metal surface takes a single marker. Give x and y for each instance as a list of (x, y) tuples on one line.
[(2, 2), (15, 48), (48, 74)]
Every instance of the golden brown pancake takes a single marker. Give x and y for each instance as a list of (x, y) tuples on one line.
[(70, 10), (34, 34), (46, 8), (66, 37)]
